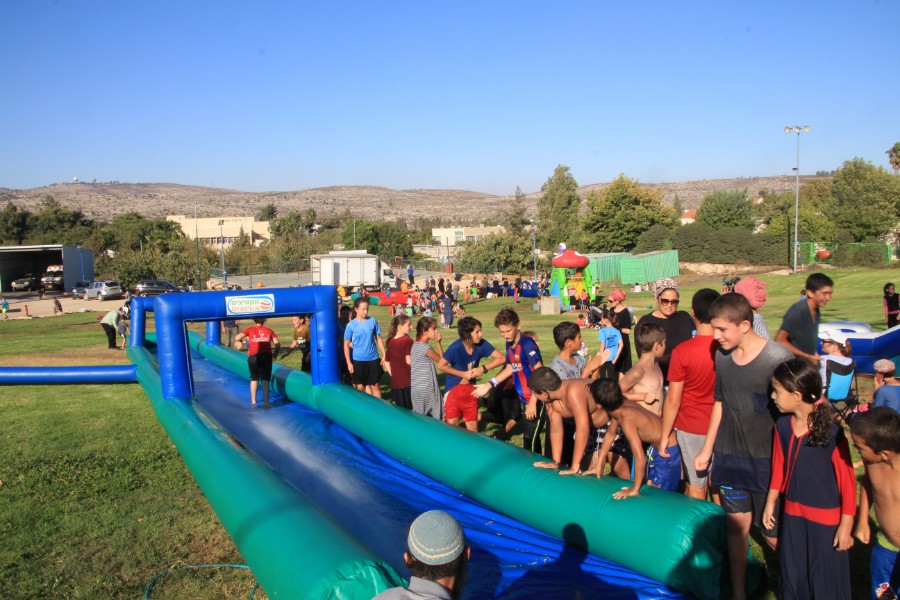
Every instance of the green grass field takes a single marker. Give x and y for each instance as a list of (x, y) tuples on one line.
[(96, 501)]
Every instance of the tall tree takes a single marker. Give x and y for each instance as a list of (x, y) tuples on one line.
[(13, 224), (502, 252), (726, 208), (621, 213), (677, 206), (867, 199), (894, 157), (515, 216), (267, 212), (557, 217)]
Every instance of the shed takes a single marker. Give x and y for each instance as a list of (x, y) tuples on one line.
[(651, 266), (605, 266)]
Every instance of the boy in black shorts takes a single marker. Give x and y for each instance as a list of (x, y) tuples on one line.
[(259, 358), (739, 439)]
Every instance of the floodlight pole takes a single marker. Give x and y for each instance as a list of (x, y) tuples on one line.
[(798, 129), (222, 250)]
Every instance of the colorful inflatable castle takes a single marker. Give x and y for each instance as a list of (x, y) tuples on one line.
[(570, 276)]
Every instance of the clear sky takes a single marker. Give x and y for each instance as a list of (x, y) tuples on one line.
[(484, 95)]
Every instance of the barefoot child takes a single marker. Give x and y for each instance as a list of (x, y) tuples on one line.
[(569, 399), (643, 383), (426, 394), (640, 426), (397, 360), (876, 435), (811, 470), (570, 363)]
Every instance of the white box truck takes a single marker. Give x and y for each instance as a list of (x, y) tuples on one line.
[(352, 269)]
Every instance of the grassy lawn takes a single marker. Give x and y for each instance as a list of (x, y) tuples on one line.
[(96, 501)]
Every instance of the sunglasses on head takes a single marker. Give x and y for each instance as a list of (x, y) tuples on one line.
[(666, 301)]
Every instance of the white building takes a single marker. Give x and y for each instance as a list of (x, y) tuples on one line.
[(451, 236), (211, 230)]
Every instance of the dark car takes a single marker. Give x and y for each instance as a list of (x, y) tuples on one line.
[(155, 287), (26, 283)]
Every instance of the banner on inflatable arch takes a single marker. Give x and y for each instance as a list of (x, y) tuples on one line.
[(251, 304)]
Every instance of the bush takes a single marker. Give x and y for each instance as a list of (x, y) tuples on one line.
[(658, 237), (692, 241)]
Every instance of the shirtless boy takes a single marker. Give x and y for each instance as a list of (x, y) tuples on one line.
[(569, 399), (640, 426), (876, 435), (643, 383)]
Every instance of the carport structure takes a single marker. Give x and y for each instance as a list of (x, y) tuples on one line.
[(16, 261)]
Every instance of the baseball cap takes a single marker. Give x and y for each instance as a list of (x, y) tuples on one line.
[(435, 538), (834, 335)]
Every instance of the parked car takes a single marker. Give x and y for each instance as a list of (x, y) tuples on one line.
[(53, 278), (79, 288), (26, 283), (155, 287), (103, 290)]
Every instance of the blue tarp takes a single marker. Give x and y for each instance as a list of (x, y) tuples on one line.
[(374, 497)]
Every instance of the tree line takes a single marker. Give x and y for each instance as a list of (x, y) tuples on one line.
[(858, 203)]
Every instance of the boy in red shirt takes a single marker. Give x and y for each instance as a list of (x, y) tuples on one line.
[(259, 358), (689, 403)]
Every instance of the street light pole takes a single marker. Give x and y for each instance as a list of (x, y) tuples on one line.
[(798, 129), (199, 286), (222, 249), (534, 250)]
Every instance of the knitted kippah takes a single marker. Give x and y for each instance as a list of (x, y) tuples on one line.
[(885, 366), (435, 538)]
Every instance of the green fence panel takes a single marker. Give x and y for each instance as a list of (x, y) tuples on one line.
[(650, 266), (605, 266)]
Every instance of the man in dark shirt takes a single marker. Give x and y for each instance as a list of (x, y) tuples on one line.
[(800, 329)]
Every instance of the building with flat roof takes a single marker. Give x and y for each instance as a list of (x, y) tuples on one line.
[(211, 230), (451, 236)]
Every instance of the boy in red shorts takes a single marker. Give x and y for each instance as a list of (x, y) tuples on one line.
[(461, 402)]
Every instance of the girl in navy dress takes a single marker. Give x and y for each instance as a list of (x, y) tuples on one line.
[(813, 476)]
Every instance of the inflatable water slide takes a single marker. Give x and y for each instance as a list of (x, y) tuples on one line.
[(318, 490)]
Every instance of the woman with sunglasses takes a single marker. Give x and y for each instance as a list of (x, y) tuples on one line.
[(678, 324)]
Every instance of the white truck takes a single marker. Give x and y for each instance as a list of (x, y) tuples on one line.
[(353, 269)]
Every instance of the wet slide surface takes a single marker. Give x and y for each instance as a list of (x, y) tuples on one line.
[(374, 498)]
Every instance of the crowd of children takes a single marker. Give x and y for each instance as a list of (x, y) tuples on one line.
[(741, 421)]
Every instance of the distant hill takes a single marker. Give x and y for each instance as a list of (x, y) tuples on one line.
[(104, 201)]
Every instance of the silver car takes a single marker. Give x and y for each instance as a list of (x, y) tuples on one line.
[(103, 290)]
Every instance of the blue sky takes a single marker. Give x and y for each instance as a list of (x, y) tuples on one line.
[(480, 95)]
